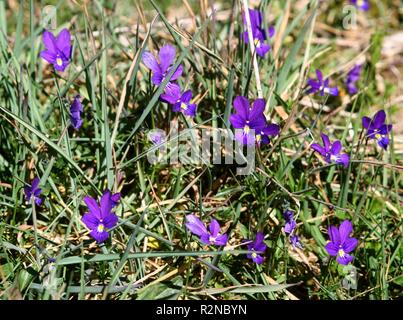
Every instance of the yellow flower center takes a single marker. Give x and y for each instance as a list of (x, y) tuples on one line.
[(246, 129), (258, 138), (254, 255), (101, 228), (378, 136), (211, 239), (341, 253)]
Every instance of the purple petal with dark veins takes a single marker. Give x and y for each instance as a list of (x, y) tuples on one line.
[(334, 91), (314, 86), (49, 41), (110, 220), (288, 215), (221, 240), (385, 129), (191, 110), (150, 61), (115, 198), (157, 78), (38, 201), (350, 244), (237, 121), (177, 73), (272, 31), (48, 56), (259, 237), (319, 75), (365, 122), (326, 142), (379, 119), (343, 159), (177, 107), (336, 148), (260, 247), (205, 238), (241, 105), (344, 260), (166, 56), (27, 192), (258, 123), (90, 220), (187, 96), (383, 142), (258, 259), (318, 148), (35, 183), (172, 93), (99, 236), (271, 129), (63, 42), (106, 204), (92, 206), (214, 228), (262, 49), (76, 105), (37, 192)]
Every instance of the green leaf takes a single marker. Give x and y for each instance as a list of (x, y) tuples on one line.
[(50, 144), (249, 289)]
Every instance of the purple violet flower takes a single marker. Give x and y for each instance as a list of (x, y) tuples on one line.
[(256, 19), (251, 121), (377, 129), (75, 113), (33, 192), (295, 241), (352, 77), (290, 222), (257, 246), (180, 101), (321, 86), (341, 244), (100, 218), (361, 4), (58, 50), (207, 237), (258, 33), (115, 198), (331, 151), (162, 68)]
